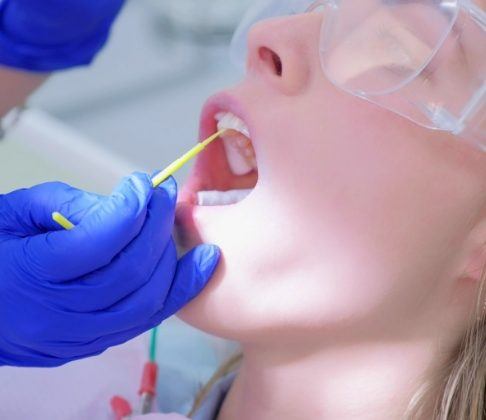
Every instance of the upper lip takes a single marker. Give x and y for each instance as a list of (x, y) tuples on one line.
[(222, 102)]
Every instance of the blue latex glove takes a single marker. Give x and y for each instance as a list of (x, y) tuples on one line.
[(46, 35), (66, 295)]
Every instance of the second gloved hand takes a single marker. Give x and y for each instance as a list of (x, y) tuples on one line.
[(47, 35), (66, 295)]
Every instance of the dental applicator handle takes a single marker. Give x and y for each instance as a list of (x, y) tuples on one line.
[(157, 179), (186, 157)]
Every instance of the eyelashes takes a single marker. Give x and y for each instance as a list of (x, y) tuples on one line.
[(426, 74)]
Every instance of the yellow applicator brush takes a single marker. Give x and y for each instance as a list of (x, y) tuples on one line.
[(186, 157), (160, 177)]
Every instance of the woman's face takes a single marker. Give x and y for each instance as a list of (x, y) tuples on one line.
[(358, 216)]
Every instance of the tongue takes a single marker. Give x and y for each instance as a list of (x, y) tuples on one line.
[(221, 198)]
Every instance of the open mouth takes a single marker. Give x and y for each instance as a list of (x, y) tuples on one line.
[(240, 159), (227, 172), (224, 176)]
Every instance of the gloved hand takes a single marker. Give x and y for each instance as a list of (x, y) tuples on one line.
[(47, 35), (66, 295)]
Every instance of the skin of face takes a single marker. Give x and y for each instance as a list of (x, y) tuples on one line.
[(363, 226)]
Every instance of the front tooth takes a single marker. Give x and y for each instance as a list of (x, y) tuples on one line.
[(229, 121), (221, 198)]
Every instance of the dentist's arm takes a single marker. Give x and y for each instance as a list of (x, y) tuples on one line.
[(15, 87), (47, 35), (41, 36)]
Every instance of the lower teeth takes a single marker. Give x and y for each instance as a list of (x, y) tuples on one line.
[(221, 198)]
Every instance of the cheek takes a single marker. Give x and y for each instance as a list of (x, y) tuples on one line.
[(346, 269), (352, 229)]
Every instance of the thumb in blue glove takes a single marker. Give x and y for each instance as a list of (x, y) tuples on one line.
[(65, 295)]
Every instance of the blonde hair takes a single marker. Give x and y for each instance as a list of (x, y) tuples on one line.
[(458, 392), (231, 365)]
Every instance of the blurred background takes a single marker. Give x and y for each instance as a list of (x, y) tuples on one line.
[(136, 107), (140, 100)]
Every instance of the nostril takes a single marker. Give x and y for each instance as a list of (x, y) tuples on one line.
[(272, 59)]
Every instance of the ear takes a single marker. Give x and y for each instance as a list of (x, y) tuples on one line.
[(475, 263), (467, 284)]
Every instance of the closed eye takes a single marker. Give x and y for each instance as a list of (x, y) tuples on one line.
[(427, 74)]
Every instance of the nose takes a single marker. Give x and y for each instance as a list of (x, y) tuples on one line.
[(284, 51)]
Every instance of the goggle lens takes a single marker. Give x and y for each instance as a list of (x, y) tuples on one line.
[(422, 59)]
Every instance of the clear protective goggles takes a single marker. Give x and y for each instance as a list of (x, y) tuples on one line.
[(422, 59)]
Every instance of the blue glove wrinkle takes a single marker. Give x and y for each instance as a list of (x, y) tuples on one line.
[(142, 304), (149, 299), (76, 208), (136, 309), (29, 211), (135, 188)]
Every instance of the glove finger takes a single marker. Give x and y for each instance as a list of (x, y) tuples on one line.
[(130, 269), (28, 212), (192, 274), (194, 271), (171, 287), (159, 298), (132, 311), (145, 302), (96, 240)]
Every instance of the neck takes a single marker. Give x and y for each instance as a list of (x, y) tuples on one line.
[(365, 381)]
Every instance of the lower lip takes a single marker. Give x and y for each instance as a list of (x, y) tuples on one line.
[(186, 233)]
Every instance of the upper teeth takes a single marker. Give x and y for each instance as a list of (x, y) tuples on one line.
[(239, 150), (229, 121)]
